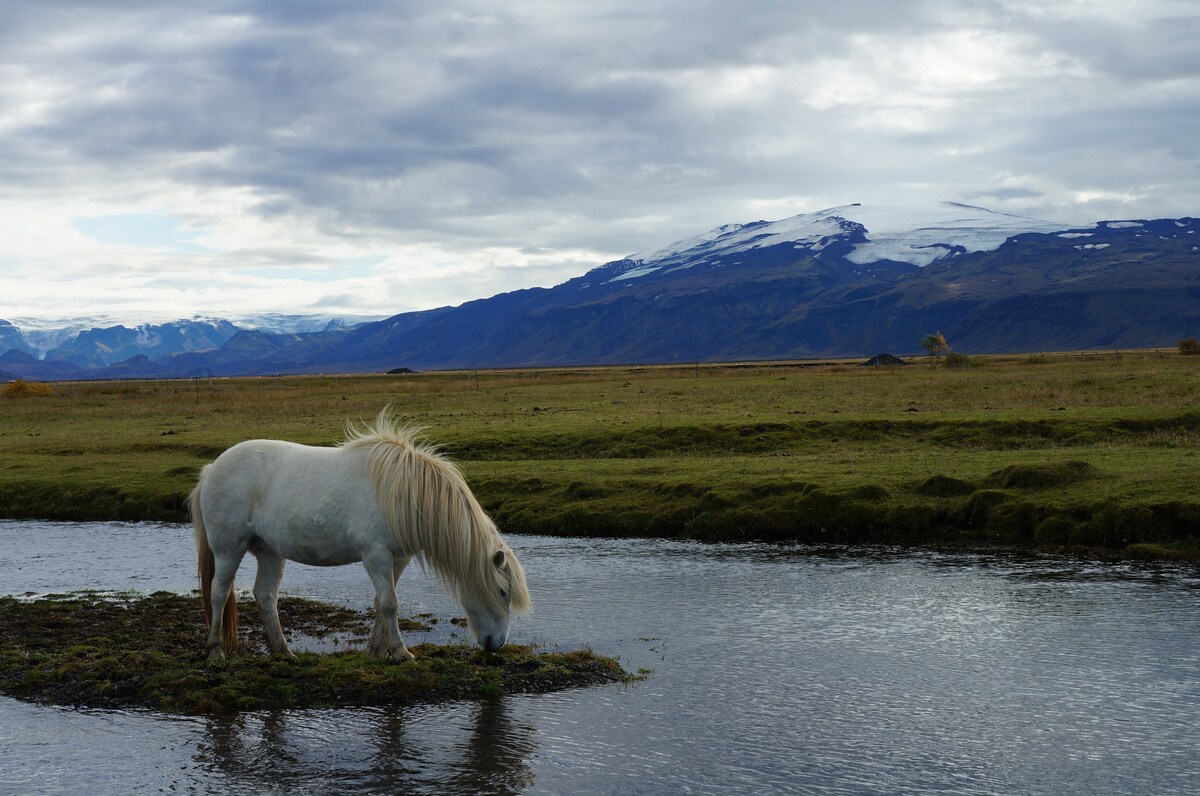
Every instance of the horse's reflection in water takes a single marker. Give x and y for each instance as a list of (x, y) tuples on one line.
[(454, 748)]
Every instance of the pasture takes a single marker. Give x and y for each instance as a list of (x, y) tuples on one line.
[(1093, 451)]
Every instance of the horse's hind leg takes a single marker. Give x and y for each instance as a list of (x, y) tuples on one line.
[(266, 594), (225, 566), (384, 640)]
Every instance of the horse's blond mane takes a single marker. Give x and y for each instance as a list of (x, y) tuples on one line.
[(427, 504)]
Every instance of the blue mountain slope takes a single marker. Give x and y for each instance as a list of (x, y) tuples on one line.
[(763, 297)]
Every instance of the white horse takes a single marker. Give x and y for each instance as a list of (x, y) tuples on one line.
[(381, 497)]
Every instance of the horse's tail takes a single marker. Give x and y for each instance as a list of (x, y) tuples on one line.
[(206, 565)]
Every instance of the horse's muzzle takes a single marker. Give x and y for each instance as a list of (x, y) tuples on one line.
[(491, 642)]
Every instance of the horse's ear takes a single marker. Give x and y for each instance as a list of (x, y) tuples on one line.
[(500, 560)]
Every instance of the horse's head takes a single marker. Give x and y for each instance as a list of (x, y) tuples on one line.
[(502, 593)]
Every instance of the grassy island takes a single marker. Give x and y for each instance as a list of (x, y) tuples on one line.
[(93, 650), (1092, 451)]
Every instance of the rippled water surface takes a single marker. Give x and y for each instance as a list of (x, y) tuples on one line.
[(774, 670)]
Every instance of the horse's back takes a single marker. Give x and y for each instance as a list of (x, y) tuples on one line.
[(253, 468), (282, 493)]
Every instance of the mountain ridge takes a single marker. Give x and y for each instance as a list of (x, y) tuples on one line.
[(97, 343), (846, 281)]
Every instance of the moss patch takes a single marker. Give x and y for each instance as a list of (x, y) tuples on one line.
[(95, 650), (1042, 475), (945, 486)]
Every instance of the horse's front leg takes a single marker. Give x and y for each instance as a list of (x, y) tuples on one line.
[(384, 640)]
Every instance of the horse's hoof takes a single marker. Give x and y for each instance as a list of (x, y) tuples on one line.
[(400, 655), (216, 655)]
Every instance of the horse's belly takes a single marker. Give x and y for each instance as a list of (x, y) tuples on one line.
[(321, 558), (315, 545), (318, 550)]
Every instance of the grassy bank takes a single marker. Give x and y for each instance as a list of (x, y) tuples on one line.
[(146, 652), (1093, 451)]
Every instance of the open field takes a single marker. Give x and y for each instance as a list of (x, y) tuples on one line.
[(1093, 451)]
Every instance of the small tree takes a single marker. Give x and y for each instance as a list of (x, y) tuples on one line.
[(935, 345), (1189, 346)]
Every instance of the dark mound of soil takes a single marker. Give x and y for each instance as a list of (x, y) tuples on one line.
[(882, 360)]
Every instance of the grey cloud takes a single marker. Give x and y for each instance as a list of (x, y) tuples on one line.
[(566, 125), (1133, 49)]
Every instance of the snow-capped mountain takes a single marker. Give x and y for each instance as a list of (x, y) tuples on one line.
[(99, 341), (279, 323), (99, 347), (41, 335), (847, 281), (918, 236)]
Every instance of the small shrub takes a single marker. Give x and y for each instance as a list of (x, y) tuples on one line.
[(1189, 346), (21, 389), (957, 360)]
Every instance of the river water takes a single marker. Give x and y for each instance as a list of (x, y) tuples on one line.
[(775, 670)]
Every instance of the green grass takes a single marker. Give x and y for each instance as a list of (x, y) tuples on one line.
[(147, 652), (1052, 451)]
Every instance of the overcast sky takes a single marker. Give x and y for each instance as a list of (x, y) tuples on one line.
[(162, 159)]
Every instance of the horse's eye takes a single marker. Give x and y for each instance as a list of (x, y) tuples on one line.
[(504, 594)]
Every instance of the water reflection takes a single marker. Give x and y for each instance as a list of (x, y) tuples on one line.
[(497, 753), (463, 748)]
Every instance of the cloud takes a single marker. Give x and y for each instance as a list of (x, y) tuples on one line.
[(464, 148)]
